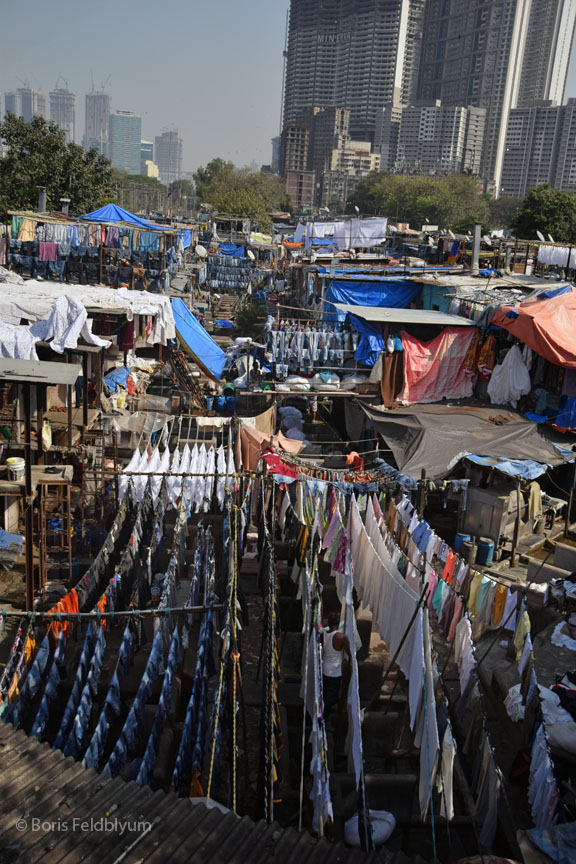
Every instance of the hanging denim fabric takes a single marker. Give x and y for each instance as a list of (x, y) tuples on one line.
[(112, 705), (76, 738), (50, 695), (145, 774), (77, 688), (128, 740), (195, 722), (22, 705)]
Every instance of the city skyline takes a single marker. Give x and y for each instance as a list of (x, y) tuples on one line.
[(193, 75), (236, 118)]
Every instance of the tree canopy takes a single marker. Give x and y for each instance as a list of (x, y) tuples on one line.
[(240, 192), (137, 193), (36, 154), (546, 210), (454, 201)]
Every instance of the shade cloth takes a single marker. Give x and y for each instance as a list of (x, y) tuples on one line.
[(114, 213), (547, 326), (194, 338), (435, 370), (436, 437), (368, 291)]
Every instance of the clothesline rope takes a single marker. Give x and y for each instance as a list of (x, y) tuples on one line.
[(128, 613)]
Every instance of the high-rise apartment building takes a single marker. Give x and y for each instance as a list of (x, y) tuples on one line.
[(540, 148), (352, 54), (168, 149), (440, 139), (547, 53), (26, 102), (97, 121), (146, 155), (495, 54), (124, 137), (63, 111)]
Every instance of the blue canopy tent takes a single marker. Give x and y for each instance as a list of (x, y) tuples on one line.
[(197, 342), (114, 213)]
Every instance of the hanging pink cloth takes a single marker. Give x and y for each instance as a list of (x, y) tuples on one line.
[(435, 370)]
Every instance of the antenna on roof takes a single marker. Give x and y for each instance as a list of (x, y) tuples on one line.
[(541, 236), (551, 238)]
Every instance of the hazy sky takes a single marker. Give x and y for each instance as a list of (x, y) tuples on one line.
[(210, 68)]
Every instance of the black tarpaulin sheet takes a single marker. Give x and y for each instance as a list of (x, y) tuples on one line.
[(435, 438)]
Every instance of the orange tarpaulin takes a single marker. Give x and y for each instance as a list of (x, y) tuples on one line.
[(546, 326)]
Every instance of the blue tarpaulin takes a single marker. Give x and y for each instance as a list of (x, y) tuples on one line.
[(7, 539), (113, 213), (555, 292), (367, 291), (371, 342), (186, 237), (231, 250), (199, 344), (118, 377), (527, 469)]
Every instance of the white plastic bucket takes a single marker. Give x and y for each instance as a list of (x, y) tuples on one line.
[(16, 468)]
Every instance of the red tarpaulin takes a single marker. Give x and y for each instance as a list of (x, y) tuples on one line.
[(548, 327)]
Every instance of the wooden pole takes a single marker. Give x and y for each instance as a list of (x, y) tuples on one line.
[(84, 394), (70, 408), (40, 408), (570, 499), (28, 514), (516, 525)]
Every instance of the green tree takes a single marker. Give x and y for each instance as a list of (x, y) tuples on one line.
[(182, 187), (272, 189), (36, 154), (243, 201), (454, 201), (546, 210), (136, 192), (213, 178), (502, 210)]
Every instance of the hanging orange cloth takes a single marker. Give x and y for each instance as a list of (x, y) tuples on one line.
[(101, 605), (29, 650), (487, 358), (499, 605), (68, 605), (196, 790), (448, 572), (470, 359)]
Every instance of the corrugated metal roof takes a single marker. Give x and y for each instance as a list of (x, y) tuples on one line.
[(382, 315), (53, 810)]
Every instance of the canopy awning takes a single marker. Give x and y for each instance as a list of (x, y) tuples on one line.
[(114, 213), (434, 438), (384, 315), (199, 344), (546, 324)]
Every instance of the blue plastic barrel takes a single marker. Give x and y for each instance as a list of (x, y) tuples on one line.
[(220, 403), (460, 538), (209, 402), (230, 404), (485, 550)]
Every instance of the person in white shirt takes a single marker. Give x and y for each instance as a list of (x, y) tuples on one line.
[(334, 644)]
